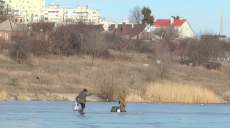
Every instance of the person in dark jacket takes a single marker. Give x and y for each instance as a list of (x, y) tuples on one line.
[(81, 98), (122, 102)]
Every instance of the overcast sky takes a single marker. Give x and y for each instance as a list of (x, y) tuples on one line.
[(201, 14)]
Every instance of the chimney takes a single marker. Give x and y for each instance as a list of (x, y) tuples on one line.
[(172, 20), (116, 25), (123, 27), (132, 25)]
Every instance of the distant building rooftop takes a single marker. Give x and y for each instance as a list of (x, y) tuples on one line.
[(177, 22)]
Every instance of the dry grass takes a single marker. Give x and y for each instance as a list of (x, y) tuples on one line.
[(226, 94), (135, 98), (62, 99), (4, 95), (60, 74), (21, 97), (170, 92)]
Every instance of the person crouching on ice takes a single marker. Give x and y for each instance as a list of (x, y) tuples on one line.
[(122, 102), (81, 98)]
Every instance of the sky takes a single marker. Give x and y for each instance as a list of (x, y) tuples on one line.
[(202, 15)]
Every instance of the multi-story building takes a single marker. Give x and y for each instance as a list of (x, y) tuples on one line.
[(28, 11), (2, 6), (32, 11), (67, 15), (88, 15), (125, 21), (53, 14), (106, 24)]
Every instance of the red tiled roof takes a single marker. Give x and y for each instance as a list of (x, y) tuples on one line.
[(177, 22)]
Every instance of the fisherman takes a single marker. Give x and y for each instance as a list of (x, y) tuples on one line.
[(81, 98), (122, 102)]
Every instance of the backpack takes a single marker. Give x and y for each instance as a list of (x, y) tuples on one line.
[(114, 108)]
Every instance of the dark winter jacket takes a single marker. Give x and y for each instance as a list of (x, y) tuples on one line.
[(81, 98)]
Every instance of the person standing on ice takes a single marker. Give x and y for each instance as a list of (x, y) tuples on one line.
[(122, 102), (81, 98)]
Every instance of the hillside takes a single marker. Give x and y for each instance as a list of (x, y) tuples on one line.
[(55, 75)]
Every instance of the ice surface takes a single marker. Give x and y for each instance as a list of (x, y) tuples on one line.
[(46, 114)]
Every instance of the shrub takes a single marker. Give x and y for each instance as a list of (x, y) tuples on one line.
[(227, 94), (4, 95), (14, 81), (21, 97), (108, 86), (169, 92), (212, 65)]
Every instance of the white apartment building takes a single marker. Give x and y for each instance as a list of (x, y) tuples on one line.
[(125, 21), (27, 10), (67, 15), (106, 24), (33, 11)]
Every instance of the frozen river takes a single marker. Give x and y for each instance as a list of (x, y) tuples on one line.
[(46, 114)]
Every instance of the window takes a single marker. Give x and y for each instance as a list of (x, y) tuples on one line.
[(6, 36)]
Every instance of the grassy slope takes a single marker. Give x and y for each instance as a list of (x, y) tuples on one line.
[(72, 74)]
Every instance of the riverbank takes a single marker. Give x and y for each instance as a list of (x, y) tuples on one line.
[(92, 98), (48, 97), (55, 78)]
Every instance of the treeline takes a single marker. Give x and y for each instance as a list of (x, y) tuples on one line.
[(85, 39), (203, 49), (66, 40)]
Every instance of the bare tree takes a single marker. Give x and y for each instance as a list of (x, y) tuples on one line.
[(147, 36), (167, 31), (202, 50), (116, 41), (20, 47), (182, 51), (94, 43), (163, 60), (67, 38), (135, 15), (211, 45), (169, 34)]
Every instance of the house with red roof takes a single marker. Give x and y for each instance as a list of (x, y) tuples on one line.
[(182, 24)]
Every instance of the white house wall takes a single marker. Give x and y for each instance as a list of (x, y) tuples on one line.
[(186, 30)]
